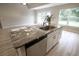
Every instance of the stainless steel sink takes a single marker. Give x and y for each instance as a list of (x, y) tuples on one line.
[(46, 28)]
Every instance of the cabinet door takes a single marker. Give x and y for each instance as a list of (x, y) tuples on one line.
[(38, 49), (51, 40), (59, 33)]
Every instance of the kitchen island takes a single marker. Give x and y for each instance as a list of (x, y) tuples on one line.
[(34, 41), (25, 38)]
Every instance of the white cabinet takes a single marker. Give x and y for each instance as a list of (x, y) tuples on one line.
[(53, 38), (38, 49), (50, 40), (42, 47)]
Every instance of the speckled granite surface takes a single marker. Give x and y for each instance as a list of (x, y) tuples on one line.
[(6, 46), (24, 36)]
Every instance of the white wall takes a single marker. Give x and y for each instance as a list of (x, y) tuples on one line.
[(18, 15), (45, 10), (56, 9), (15, 15)]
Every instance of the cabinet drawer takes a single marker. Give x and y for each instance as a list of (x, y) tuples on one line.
[(50, 42), (51, 34)]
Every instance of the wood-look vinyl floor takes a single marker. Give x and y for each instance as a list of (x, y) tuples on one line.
[(67, 46)]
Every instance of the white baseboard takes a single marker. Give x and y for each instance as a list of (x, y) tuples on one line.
[(72, 29)]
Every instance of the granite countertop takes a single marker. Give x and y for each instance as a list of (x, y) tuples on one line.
[(24, 36), (51, 30), (54, 29)]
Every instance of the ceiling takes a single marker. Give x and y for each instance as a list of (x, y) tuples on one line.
[(31, 5), (46, 5)]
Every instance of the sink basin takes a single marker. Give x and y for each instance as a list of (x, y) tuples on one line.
[(47, 28)]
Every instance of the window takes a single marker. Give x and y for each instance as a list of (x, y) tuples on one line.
[(41, 16), (69, 17)]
